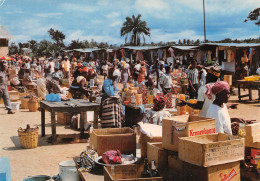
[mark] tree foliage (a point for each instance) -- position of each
(134, 29)
(58, 37)
(254, 16)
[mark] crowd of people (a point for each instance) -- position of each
(48, 72)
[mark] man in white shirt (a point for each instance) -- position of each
(218, 108)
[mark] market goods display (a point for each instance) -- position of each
(86, 161)
(112, 157)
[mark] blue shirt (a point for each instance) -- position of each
(109, 88)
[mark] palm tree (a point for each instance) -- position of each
(133, 28)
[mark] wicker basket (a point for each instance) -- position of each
(28, 139)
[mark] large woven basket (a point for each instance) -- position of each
(28, 139)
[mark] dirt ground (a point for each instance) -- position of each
(44, 159)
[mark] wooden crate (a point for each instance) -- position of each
(175, 167)
(252, 138)
(127, 173)
(210, 150)
(158, 154)
(63, 118)
(144, 139)
(223, 172)
(123, 139)
(184, 126)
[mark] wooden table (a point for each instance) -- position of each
(73, 106)
(249, 85)
(86, 176)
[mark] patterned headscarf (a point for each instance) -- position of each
(216, 88)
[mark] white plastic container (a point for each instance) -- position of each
(15, 105)
(68, 171)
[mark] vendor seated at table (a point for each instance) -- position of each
(111, 106)
(78, 87)
(27, 79)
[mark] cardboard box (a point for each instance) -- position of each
(223, 172)
(63, 118)
(158, 154)
(144, 139)
(123, 139)
(127, 173)
(210, 150)
(175, 167)
(184, 126)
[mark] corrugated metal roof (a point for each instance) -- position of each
(87, 50)
(233, 44)
(4, 33)
(142, 47)
(185, 47)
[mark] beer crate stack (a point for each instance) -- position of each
(192, 150)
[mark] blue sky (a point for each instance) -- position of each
(101, 20)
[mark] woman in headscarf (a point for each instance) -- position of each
(78, 87)
(125, 72)
(142, 74)
(110, 108)
(218, 108)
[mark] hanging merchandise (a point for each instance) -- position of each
(164, 54)
(217, 61)
(229, 51)
(115, 57)
(122, 53)
(160, 53)
(209, 55)
(232, 56)
(171, 52)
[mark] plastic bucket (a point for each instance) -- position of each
(68, 171)
(38, 178)
(15, 105)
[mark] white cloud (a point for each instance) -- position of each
(21, 38)
(112, 15)
(158, 35)
(152, 4)
(220, 6)
(47, 15)
(155, 8)
(116, 23)
(102, 2)
(78, 7)
(79, 34)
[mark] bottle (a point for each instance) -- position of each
(154, 171)
(146, 172)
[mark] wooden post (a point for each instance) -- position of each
(239, 92)
(250, 93)
(95, 125)
(82, 124)
(43, 121)
(53, 127)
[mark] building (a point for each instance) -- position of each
(5, 36)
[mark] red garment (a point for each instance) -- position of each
(112, 157)
(216, 88)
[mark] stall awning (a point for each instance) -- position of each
(87, 50)
(185, 47)
(142, 47)
(233, 44)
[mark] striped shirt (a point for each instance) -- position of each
(193, 75)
